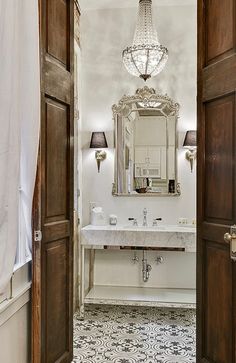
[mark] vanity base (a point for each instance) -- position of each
(142, 296)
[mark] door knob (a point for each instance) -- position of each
(231, 238)
(228, 237)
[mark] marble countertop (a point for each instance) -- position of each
(165, 236)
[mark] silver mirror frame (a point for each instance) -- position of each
(147, 96)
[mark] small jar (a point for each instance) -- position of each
(113, 220)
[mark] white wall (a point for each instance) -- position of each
(118, 269)
(104, 81)
(105, 33)
(15, 337)
(15, 319)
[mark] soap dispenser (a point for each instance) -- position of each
(98, 217)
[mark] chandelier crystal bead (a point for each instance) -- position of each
(146, 57)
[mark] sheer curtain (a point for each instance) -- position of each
(19, 129)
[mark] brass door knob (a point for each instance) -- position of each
(228, 237)
(231, 239)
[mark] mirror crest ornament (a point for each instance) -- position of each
(146, 145)
(149, 98)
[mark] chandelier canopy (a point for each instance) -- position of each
(146, 57)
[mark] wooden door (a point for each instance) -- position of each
(53, 204)
(216, 282)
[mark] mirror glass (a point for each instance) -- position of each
(146, 145)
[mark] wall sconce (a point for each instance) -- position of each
(190, 142)
(98, 141)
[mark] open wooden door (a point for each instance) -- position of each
(216, 315)
(52, 298)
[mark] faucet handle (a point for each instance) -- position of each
(135, 223)
(155, 221)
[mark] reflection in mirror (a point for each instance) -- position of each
(146, 147)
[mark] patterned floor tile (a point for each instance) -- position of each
(125, 334)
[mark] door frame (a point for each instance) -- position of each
(36, 215)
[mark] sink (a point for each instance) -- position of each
(166, 227)
(173, 236)
(144, 228)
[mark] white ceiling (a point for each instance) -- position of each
(115, 4)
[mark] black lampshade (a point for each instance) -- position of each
(98, 140)
(190, 139)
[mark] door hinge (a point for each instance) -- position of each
(38, 236)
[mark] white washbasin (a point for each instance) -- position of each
(161, 228)
(175, 236)
(143, 228)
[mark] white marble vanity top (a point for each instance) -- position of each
(172, 236)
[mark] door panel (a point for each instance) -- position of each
(220, 26)
(58, 22)
(218, 327)
(216, 278)
(53, 205)
(57, 342)
(57, 134)
(219, 157)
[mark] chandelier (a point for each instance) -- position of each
(146, 57)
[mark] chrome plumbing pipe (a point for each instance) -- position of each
(146, 267)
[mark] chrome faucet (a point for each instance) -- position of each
(145, 217)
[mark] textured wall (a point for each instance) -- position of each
(105, 81)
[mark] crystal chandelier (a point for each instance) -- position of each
(146, 57)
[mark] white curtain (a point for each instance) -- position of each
(19, 128)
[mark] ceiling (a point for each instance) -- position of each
(115, 4)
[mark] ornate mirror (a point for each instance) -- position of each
(146, 145)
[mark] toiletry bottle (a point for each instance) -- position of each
(171, 187)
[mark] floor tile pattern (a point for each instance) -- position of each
(125, 334)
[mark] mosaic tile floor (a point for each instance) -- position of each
(125, 334)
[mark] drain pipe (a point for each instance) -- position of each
(146, 267)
